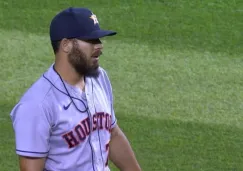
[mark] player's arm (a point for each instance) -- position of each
(121, 153)
(32, 132)
(31, 163)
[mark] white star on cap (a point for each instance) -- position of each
(94, 18)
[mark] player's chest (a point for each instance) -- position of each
(82, 113)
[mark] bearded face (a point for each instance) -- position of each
(85, 61)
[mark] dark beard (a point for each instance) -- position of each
(80, 63)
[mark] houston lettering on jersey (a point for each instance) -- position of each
(101, 121)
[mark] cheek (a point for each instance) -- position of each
(90, 51)
(87, 49)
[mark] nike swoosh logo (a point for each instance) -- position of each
(66, 107)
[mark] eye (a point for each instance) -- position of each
(94, 41)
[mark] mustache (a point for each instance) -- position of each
(97, 53)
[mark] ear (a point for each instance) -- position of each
(66, 45)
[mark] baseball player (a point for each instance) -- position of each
(65, 121)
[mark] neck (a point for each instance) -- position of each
(69, 74)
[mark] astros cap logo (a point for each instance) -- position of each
(94, 18)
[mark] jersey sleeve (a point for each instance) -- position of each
(113, 118)
(110, 93)
(32, 130)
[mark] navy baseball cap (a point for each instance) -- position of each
(79, 23)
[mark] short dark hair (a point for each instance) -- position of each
(55, 46)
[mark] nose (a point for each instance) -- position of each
(98, 45)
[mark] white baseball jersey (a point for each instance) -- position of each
(47, 123)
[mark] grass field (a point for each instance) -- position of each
(175, 67)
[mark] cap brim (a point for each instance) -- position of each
(98, 34)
